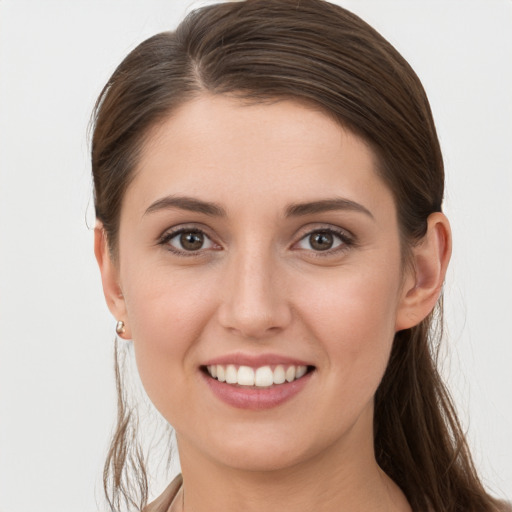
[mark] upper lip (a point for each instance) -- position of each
(256, 360)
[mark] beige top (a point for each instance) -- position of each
(164, 501)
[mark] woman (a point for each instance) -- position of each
(268, 188)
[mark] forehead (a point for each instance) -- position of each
(279, 152)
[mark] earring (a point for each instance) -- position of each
(120, 327)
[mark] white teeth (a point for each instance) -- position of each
(259, 377)
(231, 374)
(301, 371)
(264, 377)
(245, 376)
(279, 375)
(290, 373)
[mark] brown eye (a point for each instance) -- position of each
(321, 241)
(192, 240)
(188, 241)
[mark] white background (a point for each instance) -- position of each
(56, 381)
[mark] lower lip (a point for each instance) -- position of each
(245, 397)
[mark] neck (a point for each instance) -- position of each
(344, 477)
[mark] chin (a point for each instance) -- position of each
(263, 458)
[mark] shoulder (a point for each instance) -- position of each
(163, 502)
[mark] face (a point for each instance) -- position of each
(257, 244)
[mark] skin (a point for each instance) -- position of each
(259, 286)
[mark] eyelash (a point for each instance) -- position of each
(169, 235)
(347, 241)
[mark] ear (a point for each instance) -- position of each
(424, 281)
(110, 278)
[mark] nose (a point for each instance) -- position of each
(254, 302)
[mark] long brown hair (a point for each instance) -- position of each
(313, 51)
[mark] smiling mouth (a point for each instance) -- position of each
(261, 377)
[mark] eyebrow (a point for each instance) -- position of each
(326, 205)
(293, 210)
(186, 203)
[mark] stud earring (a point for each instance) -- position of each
(120, 327)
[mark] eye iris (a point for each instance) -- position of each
(191, 241)
(321, 241)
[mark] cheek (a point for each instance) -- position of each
(349, 319)
(353, 315)
(167, 313)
